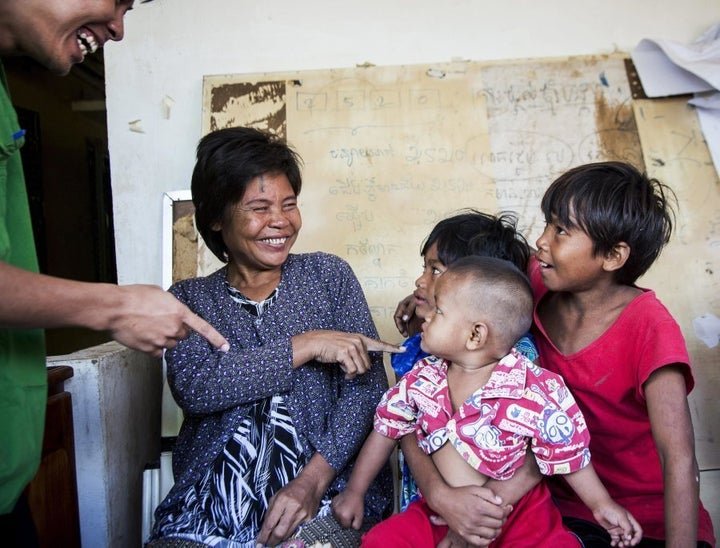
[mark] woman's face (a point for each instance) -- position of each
(261, 228)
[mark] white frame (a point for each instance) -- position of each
(169, 199)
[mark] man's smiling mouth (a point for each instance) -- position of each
(87, 42)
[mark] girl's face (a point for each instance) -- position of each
(425, 285)
(567, 258)
(261, 228)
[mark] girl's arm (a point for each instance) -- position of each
(475, 513)
(671, 423)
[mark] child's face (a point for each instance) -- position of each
(447, 327)
(425, 285)
(567, 258)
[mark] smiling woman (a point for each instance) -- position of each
(272, 426)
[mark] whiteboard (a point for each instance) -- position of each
(390, 151)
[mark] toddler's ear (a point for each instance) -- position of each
(478, 336)
(616, 257)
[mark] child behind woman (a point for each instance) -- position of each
(476, 405)
(469, 232)
(619, 350)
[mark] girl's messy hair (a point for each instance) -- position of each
(613, 202)
(472, 232)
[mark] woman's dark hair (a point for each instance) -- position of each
(227, 161)
(473, 232)
(613, 202)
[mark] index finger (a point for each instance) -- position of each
(200, 326)
(376, 345)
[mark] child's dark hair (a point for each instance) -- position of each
(227, 161)
(613, 202)
(473, 232)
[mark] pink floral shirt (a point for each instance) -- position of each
(521, 404)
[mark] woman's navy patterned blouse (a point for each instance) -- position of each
(331, 414)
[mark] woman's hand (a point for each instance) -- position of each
(293, 505)
(297, 502)
(350, 350)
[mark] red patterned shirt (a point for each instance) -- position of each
(520, 404)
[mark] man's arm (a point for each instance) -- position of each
(143, 317)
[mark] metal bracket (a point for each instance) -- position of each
(634, 80)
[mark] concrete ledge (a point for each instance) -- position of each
(116, 394)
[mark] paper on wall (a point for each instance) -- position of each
(668, 68)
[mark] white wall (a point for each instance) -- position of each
(170, 44)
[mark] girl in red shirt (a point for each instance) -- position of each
(619, 350)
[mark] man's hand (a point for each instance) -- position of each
(150, 319)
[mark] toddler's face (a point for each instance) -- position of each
(447, 326)
(425, 285)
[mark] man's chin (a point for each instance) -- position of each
(60, 67)
(63, 62)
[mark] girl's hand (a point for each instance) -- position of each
(474, 514)
(404, 314)
(453, 540)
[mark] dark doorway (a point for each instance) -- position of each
(66, 164)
